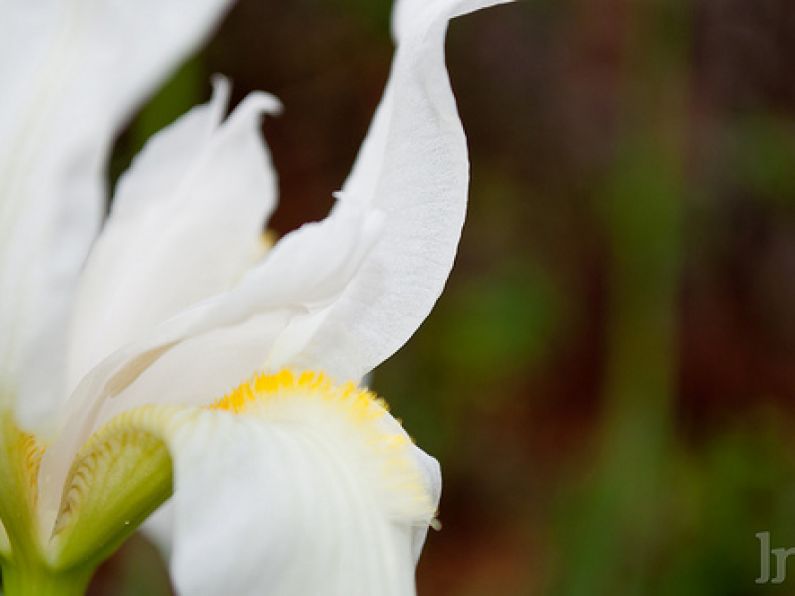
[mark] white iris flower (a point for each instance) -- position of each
(118, 347)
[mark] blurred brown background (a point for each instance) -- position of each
(608, 380)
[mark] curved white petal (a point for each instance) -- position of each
(413, 166)
(71, 72)
(303, 493)
(187, 222)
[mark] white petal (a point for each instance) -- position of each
(413, 166)
(168, 156)
(187, 222)
(71, 73)
(199, 369)
(293, 498)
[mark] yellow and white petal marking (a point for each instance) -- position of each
(294, 485)
(286, 473)
(351, 415)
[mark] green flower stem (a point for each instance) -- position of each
(35, 580)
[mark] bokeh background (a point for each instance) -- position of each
(609, 378)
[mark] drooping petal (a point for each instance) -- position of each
(71, 73)
(316, 481)
(187, 222)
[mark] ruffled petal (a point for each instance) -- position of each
(71, 72)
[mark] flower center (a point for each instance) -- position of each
(124, 470)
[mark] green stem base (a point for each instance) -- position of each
(27, 581)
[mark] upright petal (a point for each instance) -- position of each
(187, 223)
(340, 295)
(71, 72)
(362, 281)
(412, 166)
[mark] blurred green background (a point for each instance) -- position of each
(609, 379)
